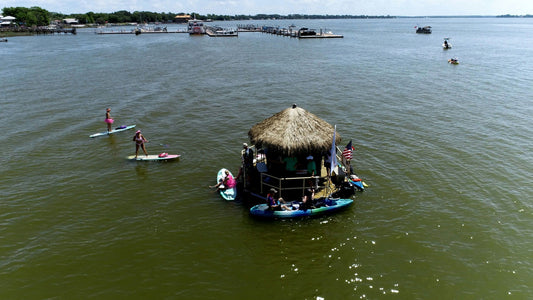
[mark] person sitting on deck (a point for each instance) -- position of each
(275, 204)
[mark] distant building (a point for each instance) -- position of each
(182, 18)
(7, 20)
(70, 21)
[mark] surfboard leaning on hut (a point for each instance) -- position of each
(286, 146)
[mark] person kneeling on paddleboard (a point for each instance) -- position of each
(139, 140)
(228, 182)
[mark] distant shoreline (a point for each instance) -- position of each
(11, 32)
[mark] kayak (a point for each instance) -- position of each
(322, 206)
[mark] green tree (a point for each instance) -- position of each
(34, 16)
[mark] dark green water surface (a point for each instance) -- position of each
(446, 150)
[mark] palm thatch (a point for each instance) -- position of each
(293, 131)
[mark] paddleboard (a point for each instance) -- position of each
(154, 157)
(227, 194)
(119, 129)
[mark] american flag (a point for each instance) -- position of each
(347, 152)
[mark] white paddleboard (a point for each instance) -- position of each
(119, 129)
(154, 157)
(227, 194)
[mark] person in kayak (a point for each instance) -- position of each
(275, 204)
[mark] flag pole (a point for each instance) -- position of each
(333, 163)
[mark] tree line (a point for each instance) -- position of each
(36, 16)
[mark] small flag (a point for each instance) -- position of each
(347, 152)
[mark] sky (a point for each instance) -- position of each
(286, 7)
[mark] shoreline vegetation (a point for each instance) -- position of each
(30, 21)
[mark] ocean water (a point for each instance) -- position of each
(446, 150)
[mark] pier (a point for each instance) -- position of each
(36, 30)
(217, 31)
(291, 31)
(138, 31)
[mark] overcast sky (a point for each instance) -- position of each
(285, 7)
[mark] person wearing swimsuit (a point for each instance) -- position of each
(228, 182)
(108, 119)
(139, 140)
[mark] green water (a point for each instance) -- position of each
(446, 150)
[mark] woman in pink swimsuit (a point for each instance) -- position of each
(227, 183)
(108, 119)
(139, 140)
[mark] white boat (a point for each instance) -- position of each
(446, 45)
(196, 27)
(216, 31)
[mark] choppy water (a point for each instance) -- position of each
(446, 150)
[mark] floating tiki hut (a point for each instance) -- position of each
(285, 144)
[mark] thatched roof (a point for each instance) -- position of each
(293, 131)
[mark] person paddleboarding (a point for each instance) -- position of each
(109, 121)
(139, 140)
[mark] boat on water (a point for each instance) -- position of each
(425, 29)
(304, 31)
(453, 61)
(446, 44)
(3, 40)
(293, 152)
(217, 31)
(195, 27)
(321, 206)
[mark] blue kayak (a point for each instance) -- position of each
(322, 206)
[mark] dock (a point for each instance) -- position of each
(36, 30)
(217, 31)
(291, 31)
(138, 31)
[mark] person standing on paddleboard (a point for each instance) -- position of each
(108, 119)
(139, 140)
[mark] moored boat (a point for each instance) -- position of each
(425, 29)
(196, 27)
(217, 31)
